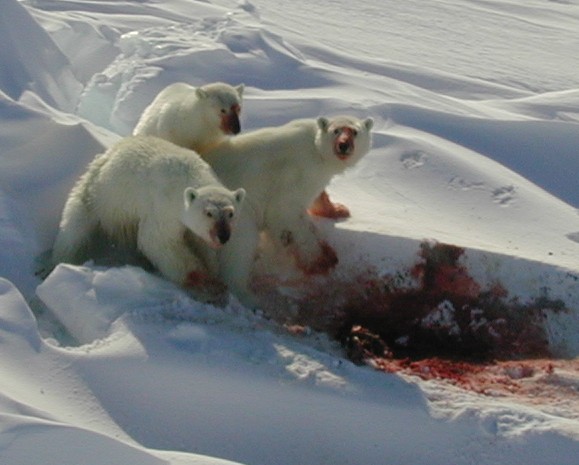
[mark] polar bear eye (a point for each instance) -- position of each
(230, 215)
(354, 132)
(223, 111)
(337, 131)
(209, 214)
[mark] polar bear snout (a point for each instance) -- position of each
(230, 120)
(344, 148)
(221, 227)
(221, 232)
(344, 142)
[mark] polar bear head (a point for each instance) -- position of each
(222, 104)
(343, 140)
(210, 212)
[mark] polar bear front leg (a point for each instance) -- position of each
(298, 236)
(165, 246)
(237, 259)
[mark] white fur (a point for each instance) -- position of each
(282, 169)
(190, 116)
(150, 191)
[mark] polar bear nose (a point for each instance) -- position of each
(344, 143)
(230, 121)
(224, 236)
(223, 231)
(343, 147)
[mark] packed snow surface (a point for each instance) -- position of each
(469, 199)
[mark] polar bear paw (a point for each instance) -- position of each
(206, 287)
(325, 262)
(324, 207)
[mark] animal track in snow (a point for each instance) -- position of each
(459, 183)
(414, 159)
(504, 196)
(573, 237)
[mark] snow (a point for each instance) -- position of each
(475, 155)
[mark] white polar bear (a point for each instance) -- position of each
(162, 197)
(283, 169)
(196, 118)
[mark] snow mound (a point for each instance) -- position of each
(40, 66)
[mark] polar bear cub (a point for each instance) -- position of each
(283, 169)
(162, 197)
(193, 117)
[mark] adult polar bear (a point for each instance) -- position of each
(161, 196)
(283, 169)
(196, 118)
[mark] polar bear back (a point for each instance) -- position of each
(193, 117)
(171, 116)
(272, 160)
(297, 135)
(144, 176)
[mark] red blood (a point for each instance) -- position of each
(433, 314)
(552, 384)
(438, 310)
(325, 208)
(491, 345)
(325, 262)
(202, 281)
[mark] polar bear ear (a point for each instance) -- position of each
(201, 93)
(240, 88)
(189, 196)
(323, 123)
(368, 123)
(239, 195)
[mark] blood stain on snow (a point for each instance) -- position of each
(435, 322)
(446, 313)
(551, 384)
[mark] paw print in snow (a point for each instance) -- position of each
(504, 196)
(414, 159)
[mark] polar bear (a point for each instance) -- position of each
(283, 169)
(196, 118)
(164, 199)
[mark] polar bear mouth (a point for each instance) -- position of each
(230, 121)
(220, 234)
